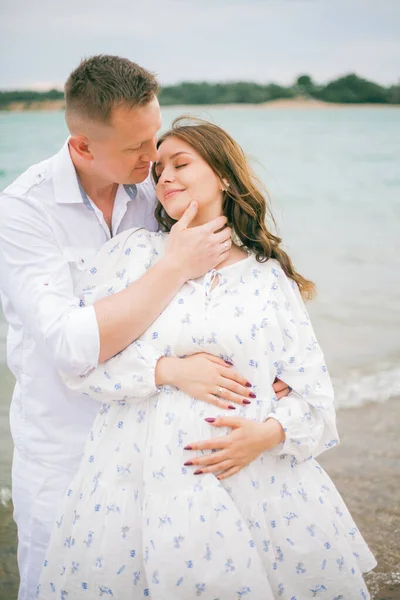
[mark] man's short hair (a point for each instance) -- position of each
(103, 82)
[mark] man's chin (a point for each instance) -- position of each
(138, 176)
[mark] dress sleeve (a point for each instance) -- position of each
(127, 377)
(307, 415)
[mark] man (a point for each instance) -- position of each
(54, 217)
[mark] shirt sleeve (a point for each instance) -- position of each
(36, 279)
(307, 414)
(127, 377)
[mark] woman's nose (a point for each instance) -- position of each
(166, 176)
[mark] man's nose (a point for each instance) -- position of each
(151, 154)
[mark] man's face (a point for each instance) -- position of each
(123, 150)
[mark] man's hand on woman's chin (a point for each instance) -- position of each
(193, 251)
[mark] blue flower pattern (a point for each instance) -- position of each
(136, 524)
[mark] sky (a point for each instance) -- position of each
(41, 42)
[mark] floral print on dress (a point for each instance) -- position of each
(136, 523)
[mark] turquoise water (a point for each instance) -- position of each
(334, 179)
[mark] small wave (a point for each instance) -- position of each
(5, 496)
(358, 387)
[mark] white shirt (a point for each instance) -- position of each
(48, 231)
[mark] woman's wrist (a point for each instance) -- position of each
(166, 370)
(274, 433)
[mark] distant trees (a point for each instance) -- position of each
(241, 92)
(28, 96)
(349, 89)
(353, 89)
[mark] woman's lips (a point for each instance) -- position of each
(171, 193)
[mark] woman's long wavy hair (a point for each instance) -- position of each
(244, 203)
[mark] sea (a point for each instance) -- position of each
(333, 181)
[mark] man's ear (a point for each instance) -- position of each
(80, 144)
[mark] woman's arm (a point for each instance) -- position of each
(307, 415)
(140, 370)
(303, 424)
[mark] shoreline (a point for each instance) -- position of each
(365, 467)
(281, 104)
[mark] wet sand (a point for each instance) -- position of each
(366, 470)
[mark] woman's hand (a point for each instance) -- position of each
(205, 377)
(247, 440)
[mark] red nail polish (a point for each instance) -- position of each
(188, 463)
(252, 395)
(198, 472)
(248, 384)
(210, 420)
(187, 447)
(246, 402)
(232, 407)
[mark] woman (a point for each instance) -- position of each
(148, 515)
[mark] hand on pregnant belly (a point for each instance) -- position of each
(247, 440)
(205, 377)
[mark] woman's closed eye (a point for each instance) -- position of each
(182, 165)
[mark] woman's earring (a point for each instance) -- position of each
(226, 185)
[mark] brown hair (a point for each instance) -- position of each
(102, 82)
(244, 202)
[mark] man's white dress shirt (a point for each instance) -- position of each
(49, 229)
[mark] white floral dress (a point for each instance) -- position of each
(136, 523)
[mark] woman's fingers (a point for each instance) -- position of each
(229, 373)
(222, 466)
(228, 473)
(220, 402)
(209, 459)
(212, 444)
(217, 360)
(226, 394)
(233, 386)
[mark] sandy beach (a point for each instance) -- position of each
(366, 470)
(299, 102)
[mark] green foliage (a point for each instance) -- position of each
(305, 85)
(353, 89)
(239, 92)
(349, 89)
(28, 96)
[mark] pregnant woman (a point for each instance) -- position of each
(149, 514)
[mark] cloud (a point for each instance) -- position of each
(262, 40)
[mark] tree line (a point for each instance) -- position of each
(349, 89)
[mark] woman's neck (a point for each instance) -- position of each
(236, 254)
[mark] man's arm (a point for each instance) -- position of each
(36, 279)
(190, 253)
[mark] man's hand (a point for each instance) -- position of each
(196, 250)
(247, 440)
(281, 388)
(205, 377)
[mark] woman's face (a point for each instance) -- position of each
(183, 176)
